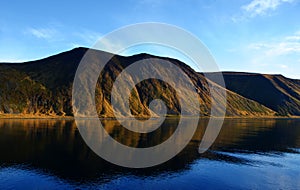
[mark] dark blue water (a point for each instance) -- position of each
(248, 154)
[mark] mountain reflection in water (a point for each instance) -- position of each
(248, 153)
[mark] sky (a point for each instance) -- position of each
(243, 35)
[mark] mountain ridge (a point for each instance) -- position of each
(45, 87)
(275, 91)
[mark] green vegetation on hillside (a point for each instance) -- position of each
(45, 87)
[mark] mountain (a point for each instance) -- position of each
(44, 87)
(276, 92)
(39, 87)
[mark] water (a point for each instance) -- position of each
(248, 154)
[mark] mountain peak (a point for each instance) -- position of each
(45, 86)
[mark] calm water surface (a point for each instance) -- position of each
(248, 154)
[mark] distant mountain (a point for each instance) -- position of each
(45, 87)
(276, 92)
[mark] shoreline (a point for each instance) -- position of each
(32, 116)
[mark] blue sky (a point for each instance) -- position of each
(243, 35)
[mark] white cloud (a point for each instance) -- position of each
(287, 45)
(258, 46)
(43, 33)
(295, 37)
(259, 8)
(89, 37)
(276, 56)
(283, 66)
(107, 45)
(284, 48)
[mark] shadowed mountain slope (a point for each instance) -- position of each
(45, 87)
(276, 92)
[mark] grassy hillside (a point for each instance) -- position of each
(45, 87)
(276, 92)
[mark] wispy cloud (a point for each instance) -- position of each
(262, 7)
(43, 33)
(287, 45)
(88, 37)
(91, 39)
(259, 8)
(276, 55)
(110, 46)
(283, 66)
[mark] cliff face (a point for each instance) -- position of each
(45, 87)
